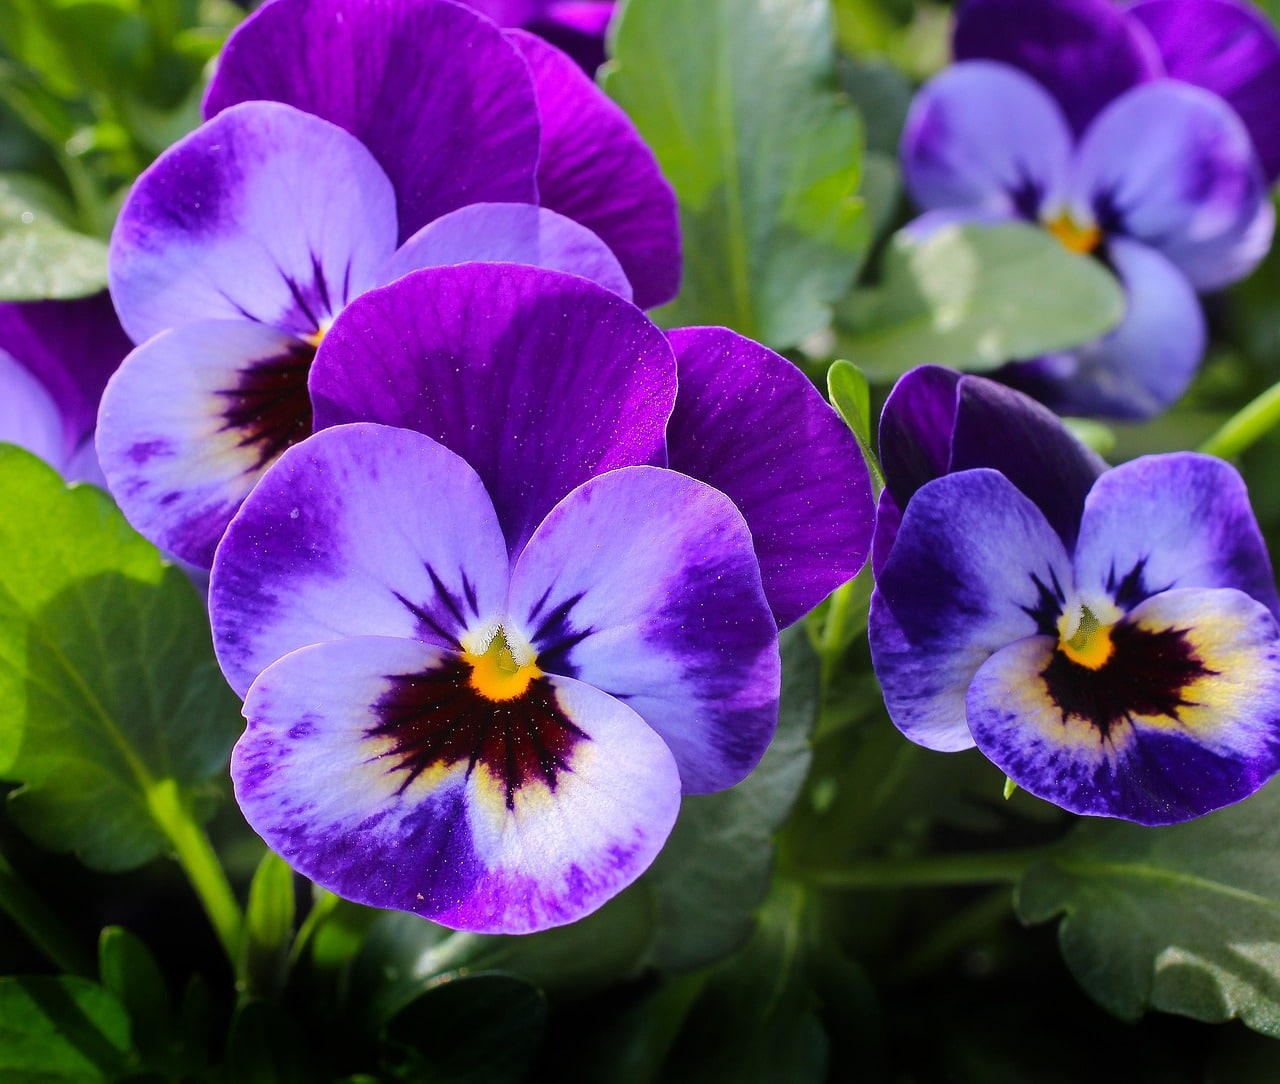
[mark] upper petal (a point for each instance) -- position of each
(1172, 165)
(1085, 52)
(596, 169)
(236, 221)
(436, 93)
(29, 417)
(751, 424)
(361, 530)
(1227, 47)
(538, 379)
(643, 583)
(987, 137)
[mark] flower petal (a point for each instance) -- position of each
(538, 379)
(1183, 719)
(643, 583)
(1142, 366)
(360, 530)
(975, 567)
(751, 424)
(578, 28)
(510, 233)
(1229, 48)
(985, 137)
(596, 169)
(1085, 52)
(1166, 521)
(1172, 165)
(437, 94)
(347, 771)
(29, 417)
(236, 222)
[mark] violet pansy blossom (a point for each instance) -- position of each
(1158, 177)
(577, 27)
(1108, 639)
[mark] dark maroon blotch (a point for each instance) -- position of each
(271, 408)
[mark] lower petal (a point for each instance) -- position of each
(29, 417)
(367, 791)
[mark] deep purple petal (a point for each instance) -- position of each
(510, 233)
(433, 90)
(1172, 165)
(237, 222)
(1183, 718)
(1229, 48)
(537, 379)
(29, 417)
(359, 531)
(578, 28)
(916, 426)
(643, 582)
(985, 137)
(338, 773)
(596, 169)
(72, 348)
(751, 424)
(1142, 366)
(974, 568)
(1085, 52)
(1166, 521)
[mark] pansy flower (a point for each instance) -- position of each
(577, 27)
(55, 358)
(1157, 177)
(1110, 643)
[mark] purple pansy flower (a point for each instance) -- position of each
(1157, 177)
(577, 27)
(55, 358)
(1108, 639)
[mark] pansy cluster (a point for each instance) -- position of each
(1144, 135)
(497, 565)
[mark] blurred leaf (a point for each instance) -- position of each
(715, 869)
(974, 297)
(741, 110)
(61, 1031)
(1183, 919)
(111, 704)
(268, 925)
(130, 972)
(40, 257)
(266, 1046)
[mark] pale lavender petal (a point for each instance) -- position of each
(29, 417)
(985, 137)
(436, 93)
(536, 378)
(975, 567)
(596, 169)
(1229, 48)
(1182, 719)
(237, 222)
(1140, 368)
(360, 530)
(748, 422)
(1085, 52)
(643, 583)
(924, 226)
(349, 770)
(510, 233)
(1169, 521)
(1171, 165)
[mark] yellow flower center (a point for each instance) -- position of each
(1086, 641)
(1072, 235)
(496, 673)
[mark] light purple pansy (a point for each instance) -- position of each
(494, 739)
(1162, 184)
(456, 111)
(55, 359)
(576, 27)
(1109, 641)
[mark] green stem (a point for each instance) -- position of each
(200, 862)
(322, 906)
(34, 919)
(992, 867)
(1248, 425)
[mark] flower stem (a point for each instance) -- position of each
(989, 867)
(1248, 425)
(34, 919)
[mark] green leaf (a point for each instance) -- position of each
(131, 973)
(850, 394)
(266, 1046)
(741, 110)
(1183, 919)
(268, 925)
(974, 297)
(40, 257)
(62, 1031)
(715, 869)
(111, 704)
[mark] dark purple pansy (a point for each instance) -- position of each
(1123, 661)
(577, 27)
